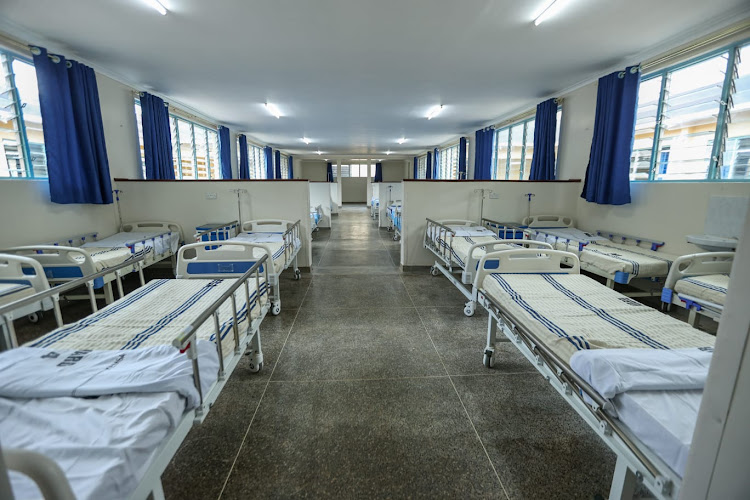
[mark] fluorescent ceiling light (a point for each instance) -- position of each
(434, 111)
(306, 140)
(319, 152)
(552, 9)
(157, 6)
(388, 152)
(273, 110)
(402, 140)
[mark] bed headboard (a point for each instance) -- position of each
(129, 227)
(457, 222)
(527, 261)
(197, 260)
(267, 225)
(547, 221)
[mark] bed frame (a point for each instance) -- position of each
(445, 264)
(64, 260)
(316, 214)
(150, 485)
(697, 264)
(232, 258)
(394, 219)
(636, 464)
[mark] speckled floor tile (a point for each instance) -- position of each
(356, 291)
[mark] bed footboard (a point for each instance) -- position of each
(547, 221)
(229, 260)
(496, 247)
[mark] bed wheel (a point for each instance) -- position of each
(489, 359)
(434, 271)
(297, 274)
(395, 237)
(275, 309)
(256, 367)
(469, 309)
(34, 317)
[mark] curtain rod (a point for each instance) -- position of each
(521, 116)
(13, 44)
(184, 114)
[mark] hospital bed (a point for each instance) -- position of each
(21, 277)
(634, 375)
(315, 215)
(619, 258)
(183, 337)
(374, 207)
(277, 239)
(83, 255)
(699, 282)
(458, 245)
(394, 219)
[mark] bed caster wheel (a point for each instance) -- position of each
(395, 238)
(255, 367)
(297, 274)
(275, 309)
(434, 271)
(469, 309)
(34, 317)
(489, 359)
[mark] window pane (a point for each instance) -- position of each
(139, 126)
(186, 149)
(516, 148)
(201, 153)
(529, 150)
(645, 125)
(691, 105)
(12, 164)
(501, 154)
(736, 158)
(28, 93)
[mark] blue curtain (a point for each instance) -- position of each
(77, 164)
(269, 161)
(291, 167)
(378, 172)
(484, 140)
(428, 170)
(545, 125)
(244, 160)
(157, 138)
(462, 158)
(607, 176)
(225, 153)
(436, 164)
(416, 167)
(277, 156)
(329, 171)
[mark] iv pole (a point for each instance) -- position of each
(528, 210)
(239, 205)
(484, 192)
(117, 202)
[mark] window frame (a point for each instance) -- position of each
(448, 171)
(7, 56)
(718, 146)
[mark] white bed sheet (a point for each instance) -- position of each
(161, 242)
(711, 287)
(571, 312)
(461, 244)
(155, 314)
(104, 258)
(273, 241)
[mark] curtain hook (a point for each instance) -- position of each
(35, 50)
(68, 64)
(55, 59)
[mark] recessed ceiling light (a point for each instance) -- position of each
(549, 11)
(273, 109)
(434, 111)
(319, 152)
(306, 140)
(157, 6)
(402, 140)
(388, 152)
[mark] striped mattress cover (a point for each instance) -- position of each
(637, 261)
(155, 314)
(104, 258)
(273, 241)
(571, 312)
(466, 236)
(711, 288)
(11, 292)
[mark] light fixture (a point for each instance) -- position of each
(388, 152)
(306, 140)
(273, 110)
(319, 152)
(157, 6)
(550, 10)
(434, 111)
(402, 140)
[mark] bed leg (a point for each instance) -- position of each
(256, 353)
(610, 283)
(624, 482)
(92, 296)
(58, 313)
(275, 300)
(692, 316)
(109, 295)
(140, 274)
(488, 359)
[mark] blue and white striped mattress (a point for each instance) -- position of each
(461, 244)
(273, 241)
(571, 312)
(637, 261)
(105, 257)
(711, 288)
(155, 314)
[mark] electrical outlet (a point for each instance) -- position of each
(211, 196)
(494, 196)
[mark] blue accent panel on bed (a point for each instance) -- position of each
(621, 277)
(220, 267)
(62, 272)
(666, 295)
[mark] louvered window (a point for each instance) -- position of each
(448, 168)
(693, 120)
(514, 149)
(422, 167)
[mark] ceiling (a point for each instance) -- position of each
(356, 75)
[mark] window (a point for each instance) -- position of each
(693, 120)
(195, 148)
(514, 149)
(256, 160)
(20, 119)
(422, 167)
(284, 166)
(357, 170)
(448, 168)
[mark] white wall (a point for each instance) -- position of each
(354, 190)
(185, 202)
(120, 129)
(29, 217)
(393, 170)
(320, 194)
(457, 200)
(312, 170)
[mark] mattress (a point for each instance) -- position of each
(711, 288)
(155, 314)
(11, 292)
(470, 235)
(273, 241)
(571, 312)
(163, 243)
(105, 258)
